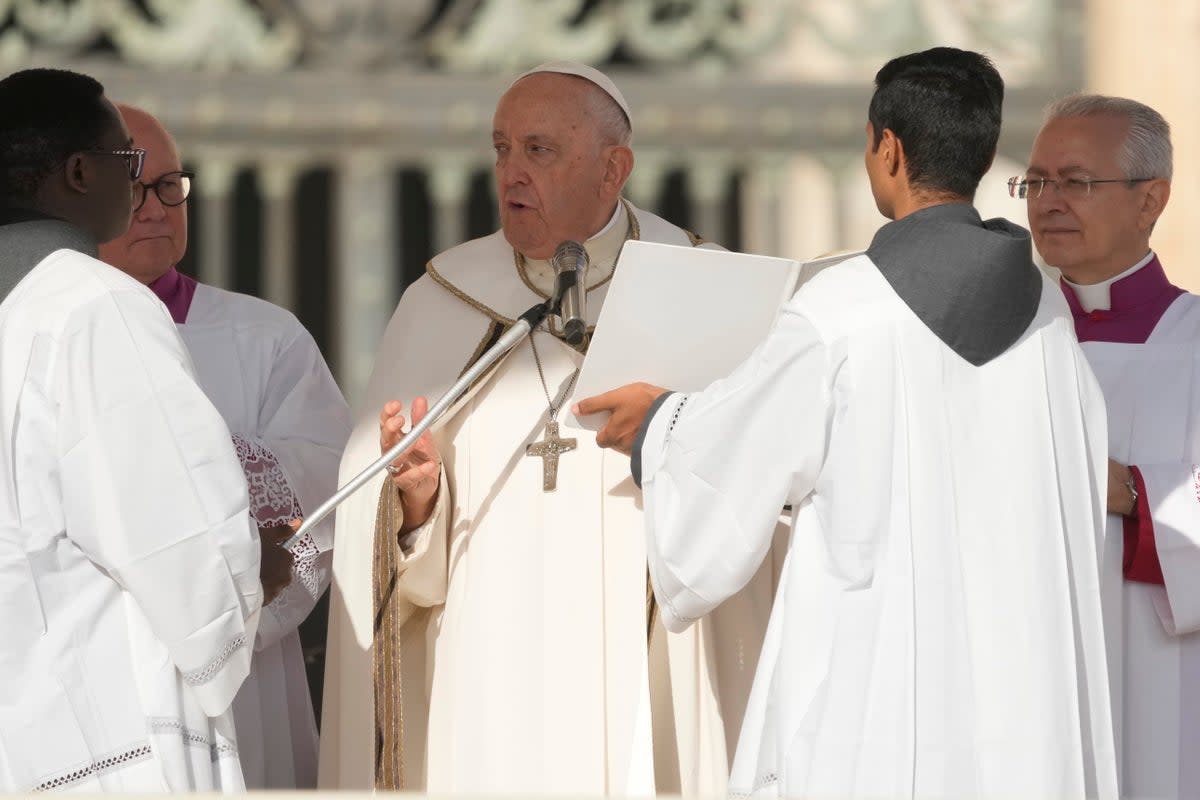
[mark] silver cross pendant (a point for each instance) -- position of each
(549, 449)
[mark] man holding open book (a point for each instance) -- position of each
(927, 412)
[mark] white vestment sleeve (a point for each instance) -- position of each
(289, 608)
(152, 490)
(302, 430)
(305, 423)
(718, 465)
(1173, 493)
(424, 577)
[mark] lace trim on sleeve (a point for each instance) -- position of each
(217, 746)
(306, 587)
(305, 569)
(206, 673)
(107, 763)
(272, 501)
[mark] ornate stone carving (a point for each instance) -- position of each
(189, 34)
(362, 33)
(837, 38)
(813, 39)
(457, 35)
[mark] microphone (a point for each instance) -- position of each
(570, 264)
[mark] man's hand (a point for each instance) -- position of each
(1120, 499)
(416, 474)
(628, 405)
(275, 569)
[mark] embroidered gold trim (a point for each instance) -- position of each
(387, 666)
(635, 232)
(466, 298)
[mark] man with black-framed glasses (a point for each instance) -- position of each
(172, 189)
(1099, 176)
(264, 373)
(129, 563)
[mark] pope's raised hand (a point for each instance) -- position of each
(417, 472)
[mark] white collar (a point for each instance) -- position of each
(611, 221)
(603, 246)
(1098, 296)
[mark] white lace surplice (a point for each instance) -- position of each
(273, 503)
(266, 376)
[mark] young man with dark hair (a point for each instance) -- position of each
(950, 145)
(128, 560)
(926, 412)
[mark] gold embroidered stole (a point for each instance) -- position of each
(387, 664)
(387, 658)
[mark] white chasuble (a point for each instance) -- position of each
(525, 662)
(264, 373)
(937, 631)
(1152, 391)
(129, 562)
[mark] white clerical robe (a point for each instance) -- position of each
(264, 373)
(525, 658)
(1152, 391)
(129, 563)
(938, 628)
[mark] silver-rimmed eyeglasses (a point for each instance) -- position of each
(1071, 188)
(172, 189)
(135, 158)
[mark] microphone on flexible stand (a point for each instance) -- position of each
(570, 264)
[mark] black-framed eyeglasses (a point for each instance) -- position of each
(172, 189)
(135, 158)
(1072, 188)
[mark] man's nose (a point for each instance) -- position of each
(511, 171)
(152, 208)
(1050, 200)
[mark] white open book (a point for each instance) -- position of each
(681, 317)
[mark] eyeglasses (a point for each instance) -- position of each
(1072, 188)
(135, 158)
(172, 189)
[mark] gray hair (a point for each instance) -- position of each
(611, 122)
(1146, 152)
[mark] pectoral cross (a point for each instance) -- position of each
(549, 449)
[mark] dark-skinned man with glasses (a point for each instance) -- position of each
(129, 563)
(264, 373)
(1099, 176)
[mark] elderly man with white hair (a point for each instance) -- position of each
(1099, 177)
(491, 628)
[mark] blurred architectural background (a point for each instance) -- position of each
(340, 143)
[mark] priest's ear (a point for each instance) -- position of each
(78, 173)
(1154, 200)
(891, 151)
(618, 164)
